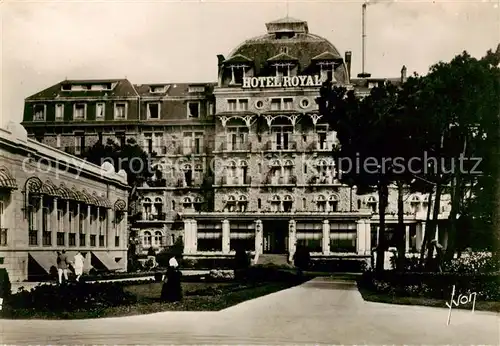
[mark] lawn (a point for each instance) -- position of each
(198, 296)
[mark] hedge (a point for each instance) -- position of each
(433, 285)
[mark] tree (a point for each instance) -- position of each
(130, 157)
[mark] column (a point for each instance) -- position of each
(368, 237)
(77, 229)
(292, 239)
(55, 225)
(110, 230)
(259, 237)
(98, 225)
(326, 237)
(40, 221)
(88, 231)
(187, 236)
(67, 226)
(194, 236)
(123, 231)
(407, 238)
(420, 235)
(360, 237)
(225, 237)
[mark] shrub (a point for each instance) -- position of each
(219, 275)
(302, 257)
(432, 285)
(74, 297)
(5, 286)
(473, 262)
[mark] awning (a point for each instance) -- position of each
(50, 189)
(106, 260)
(67, 193)
(102, 202)
(89, 198)
(7, 181)
(45, 259)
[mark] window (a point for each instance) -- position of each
(60, 238)
(231, 105)
(283, 70)
(72, 239)
(157, 89)
(287, 103)
(211, 108)
(117, 241)
(79, 111)
(284, 50)
(304, 103)
(304, 204)
(153, 111)
(39, 112)
(259, 203)
(59, 111)
(193, 110)
(237, 73)
(146, 239)
(92, 240)
(58, 141)
(99, 111)
(79, 143)
(243, 105)
(101, 240)
(237, 138)
(148, 143)
(196, 89)
(327, 71)
(158, 239)
(275, 104)
(120, 110)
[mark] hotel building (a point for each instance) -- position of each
(243, 162)
(50, 201)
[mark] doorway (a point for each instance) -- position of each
(275, 236)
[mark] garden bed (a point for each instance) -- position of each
(113, 299)
(431, 289)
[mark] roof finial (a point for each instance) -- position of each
(287, 8)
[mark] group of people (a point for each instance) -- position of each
(64, 263)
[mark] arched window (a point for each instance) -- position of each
(321, 203)
(288, 163)
(158, 206)
(259, 203)
(304, 204)
(173, 205)
(415, 204)
(158, 239)
(146, 239)
(147, 207)
(333, 202)
(372, 203)
(287, 203)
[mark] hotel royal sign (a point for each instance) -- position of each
(282, 82)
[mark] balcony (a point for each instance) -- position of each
(150, 217)
(283, 180)
(323, 180)
(185, 184)
(156, 183)
(281, 146)
(235, 181)
(232, 147)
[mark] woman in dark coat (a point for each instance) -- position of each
(172, 289)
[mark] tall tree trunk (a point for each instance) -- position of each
(426, 240)
(496, 202)
(401, 229)
(381, 248)
(452, 219)
(434, 223)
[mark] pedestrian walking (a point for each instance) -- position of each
(78, 265)
(62, 266)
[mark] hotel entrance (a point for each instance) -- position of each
(275, 236)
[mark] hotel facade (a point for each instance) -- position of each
(50, 201)
(244, 162)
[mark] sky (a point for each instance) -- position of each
(44, 42)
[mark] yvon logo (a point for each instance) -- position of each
(461, 300)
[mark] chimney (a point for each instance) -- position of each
(348, 56)
(220, 59)
(403, 74)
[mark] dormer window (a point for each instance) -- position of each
(284, 50)
(193, 109)
(79, 111)
(120, 110)
(157, 88)
(153, 111)
(39, 111)
(196, 89)
(237, 73)
(327, 71)
(283, 70)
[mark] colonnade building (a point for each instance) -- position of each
(50, 201)
(244, 162)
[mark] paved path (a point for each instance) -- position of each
(322, 311)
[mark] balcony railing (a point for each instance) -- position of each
(157, 182)
(235, 181)
(237, 146)
(274, 146)
(287, 180)
(151, 216)
(326, 180)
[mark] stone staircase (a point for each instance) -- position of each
(278, 260)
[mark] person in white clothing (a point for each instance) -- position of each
(78, 265)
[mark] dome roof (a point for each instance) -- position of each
(290, 38)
